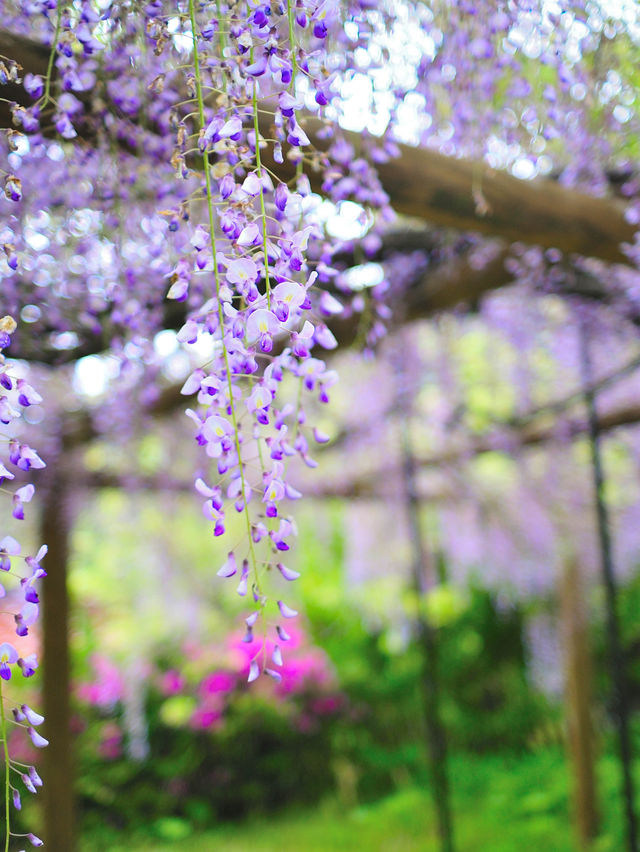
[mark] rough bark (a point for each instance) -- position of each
(577, 667)
(59, 817)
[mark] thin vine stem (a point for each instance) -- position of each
(52, 56)
(294, 61)
(263, 212)
(7, 768)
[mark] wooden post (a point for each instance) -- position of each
(59, 822)
(577, 667)
(427, 639)
(620, 689)
(423, 567)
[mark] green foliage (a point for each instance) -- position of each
(628, 608)
(502, 803)
(261, 758)
(486, 699)
(256, 762)
(509, 784)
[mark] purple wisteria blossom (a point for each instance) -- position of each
(17, 395)
(8, 656)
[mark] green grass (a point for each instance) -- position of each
(501, 804)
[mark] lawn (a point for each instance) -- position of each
(501, 803)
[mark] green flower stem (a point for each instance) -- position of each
(292, 42)
(263, 212)
(52, 55)
(7, 768)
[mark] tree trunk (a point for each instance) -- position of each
(620, 689)
(427, 639)
(59, 830)
(578, 703)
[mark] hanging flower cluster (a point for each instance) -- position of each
(22, 596)
(198, 108)
(217, 103)
(248, 260)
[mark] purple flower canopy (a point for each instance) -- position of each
(147, 169)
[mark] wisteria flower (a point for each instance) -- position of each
(24, 457)
(278, 536)
(259, 402)
(32, 717)
(8, 656)
(22, 495)
(287, 573)
(301, 341)
(8, 547)
(217, 432)
(27, 616)
(229, 568)
(34, 85)
(325, 337)
(262, 325)
(28, 665)
(5, 474)
(250, 235)
(13, 188)
(288, 296)
(286, 611)
(242, 271)
(37, 739)
(244, 576)
(34, 561)
(27, 395)
(8, 412)
(252, 184)
(296, 135)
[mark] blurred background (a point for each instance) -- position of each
(490, 657)
(464, 673)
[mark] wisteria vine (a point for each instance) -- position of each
(262, 297)
(224, 83)
(22, 600)
(180, 140)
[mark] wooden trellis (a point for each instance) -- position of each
(441, 191)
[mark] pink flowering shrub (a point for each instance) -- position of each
(216, 746)
(200, 697)
(171, 682)
(106, 688)
(110, 746)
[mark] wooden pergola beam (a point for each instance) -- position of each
(444, 191)
(381, 482)
(441, 190)
(533, 434)
(468, 195)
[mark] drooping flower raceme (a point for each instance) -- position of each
(247, 274)
(20, 576)
(215, 105)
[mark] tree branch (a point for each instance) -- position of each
(439, 189)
